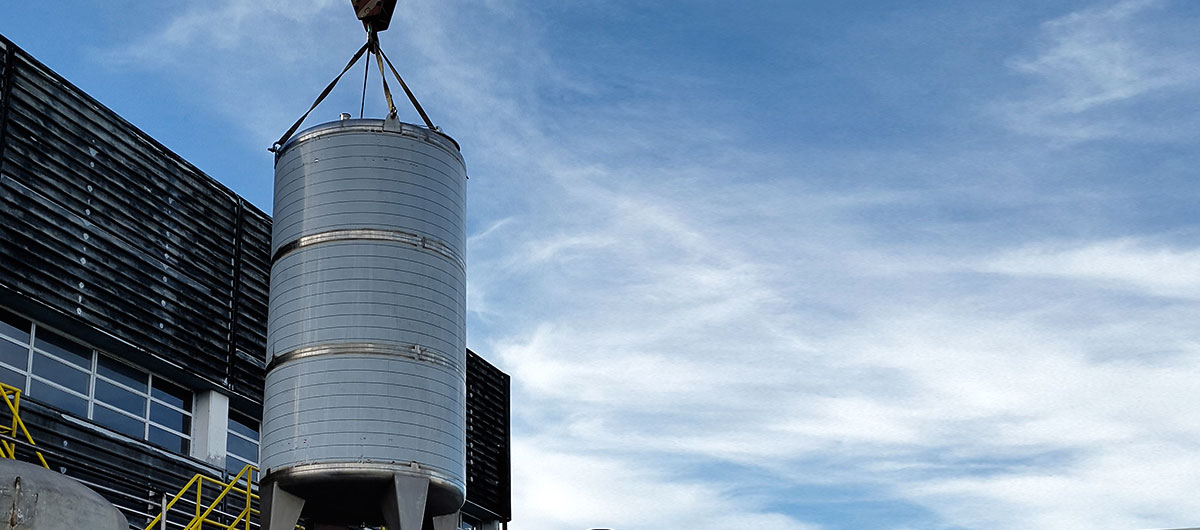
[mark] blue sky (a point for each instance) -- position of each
(802, 265)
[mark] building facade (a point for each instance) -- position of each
(133, 303)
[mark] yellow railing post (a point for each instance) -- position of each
(12, 398)
(202, 514)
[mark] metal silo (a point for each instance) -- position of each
(364, 405)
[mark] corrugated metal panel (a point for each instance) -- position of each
(6, 54)
(252, 275)
(489, 471)
(104, 223)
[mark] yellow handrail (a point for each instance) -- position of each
(202, 517)
(12, 398)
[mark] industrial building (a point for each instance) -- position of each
(133, 309)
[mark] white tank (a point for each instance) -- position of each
(35, 498)
(364, 404)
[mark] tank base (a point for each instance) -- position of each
(280, 510)
(401, 502)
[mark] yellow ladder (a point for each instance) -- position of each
(242, 486)
(12, 398)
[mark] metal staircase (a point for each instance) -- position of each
(230, 509)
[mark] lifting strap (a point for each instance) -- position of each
(411, 97)
(371, 47)
(279, 143)
(373, 40)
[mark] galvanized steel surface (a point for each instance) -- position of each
(366, 330)
(36, 498)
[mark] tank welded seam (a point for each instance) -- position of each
(442, 437)
(431, 419)
(319, 390)
(357, 142)
(386, 393)
(328, 302)
(410, 351)
(297, 270)
(361, 403)
(449, 184)
(371, 234)
(417, 197)
(416, 157)
(355, 426)
(328, 307)
(385, 179)
(403, 380)
(394, 170)
(417, 134)
(378, 205)
(330, 311)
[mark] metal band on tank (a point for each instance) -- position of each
(412, 351)
(371, 234)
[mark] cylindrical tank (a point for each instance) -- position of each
(366, 378)
(35, 498)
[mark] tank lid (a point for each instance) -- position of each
(437, 138)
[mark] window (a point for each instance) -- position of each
(14, 349)
(67, 375)
(242, 443)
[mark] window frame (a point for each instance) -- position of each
(91, 401)
(231, 432)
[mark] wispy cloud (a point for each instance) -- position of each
(696, 321)
(1092, 67)
(1127, 264)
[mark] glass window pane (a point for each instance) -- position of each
(119, 422)
(14, 326)
(15, 355)
(122, 373)
(243, 425)
(63, 374)
(173, 394)
(12, 378)
(233, 466)
(242, 448)
(69, 350)
(54, 397)
(168, 440)
(168, 417)
(120, 398)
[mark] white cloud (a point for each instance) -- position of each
(669, 297)
(1097, 68)
(569, 490)
(1121, 264)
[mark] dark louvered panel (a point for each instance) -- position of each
(103, 223)
(7, 52)
(252, 277)
(488, 468)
